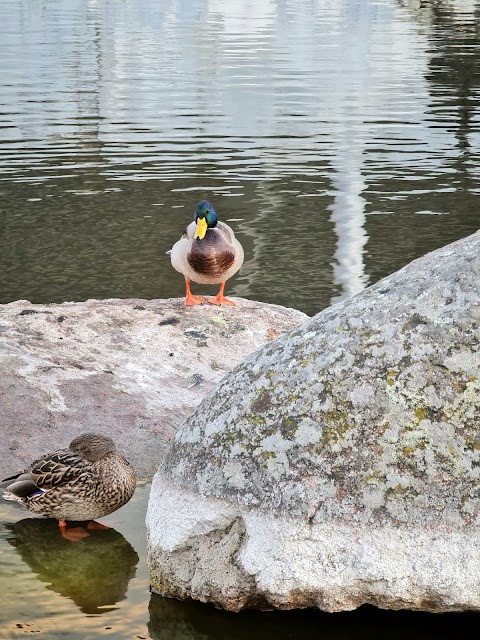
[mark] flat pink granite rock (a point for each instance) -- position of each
(131, 369)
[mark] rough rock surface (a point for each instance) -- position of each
(132, 369)
(340, 464)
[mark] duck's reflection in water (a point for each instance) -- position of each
(94, 573)
(175, 620)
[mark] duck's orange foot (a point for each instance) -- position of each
(74, 535)
(93, 524)
(191, 300)
(218, 299)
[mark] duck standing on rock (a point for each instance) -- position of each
(88, 480)
(207, 253)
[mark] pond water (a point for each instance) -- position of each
(341, 140)
(99, 588)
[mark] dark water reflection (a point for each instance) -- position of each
(94, 575)
(342, 138)
(173, 620)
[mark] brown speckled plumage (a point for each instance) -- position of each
(88, 480)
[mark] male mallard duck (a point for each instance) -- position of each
(207, 253)
(88, 480)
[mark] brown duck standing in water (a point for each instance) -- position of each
(207, 253)
(88, 480)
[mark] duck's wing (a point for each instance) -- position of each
(226, 231)
(179, 251)
(57, 468)
(189, 232)
(236, 247)
(52, 470)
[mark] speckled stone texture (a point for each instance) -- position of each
(340, 464)
(130, 369)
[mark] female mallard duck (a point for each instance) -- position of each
(88, 480)
(207, 253)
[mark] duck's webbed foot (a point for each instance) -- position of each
(220, 299)
(93, 524)
(75, 534)
(190, 299)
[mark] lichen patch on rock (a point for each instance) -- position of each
(359, 427)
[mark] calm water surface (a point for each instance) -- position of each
(340, 139)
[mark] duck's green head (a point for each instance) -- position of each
(205, 218)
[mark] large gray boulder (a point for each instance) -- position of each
(131, 369)
(340, 464)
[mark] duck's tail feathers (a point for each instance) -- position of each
(20, 486)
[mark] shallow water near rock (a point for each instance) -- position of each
(339, 139)
(59, 588)
(99, 588)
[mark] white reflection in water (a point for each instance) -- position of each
(348, 216)
(359, 110)
(244, 18)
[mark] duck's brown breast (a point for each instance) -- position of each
(211, 256)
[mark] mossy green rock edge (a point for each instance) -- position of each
(364, 417)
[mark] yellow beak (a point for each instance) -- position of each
(201, 229)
